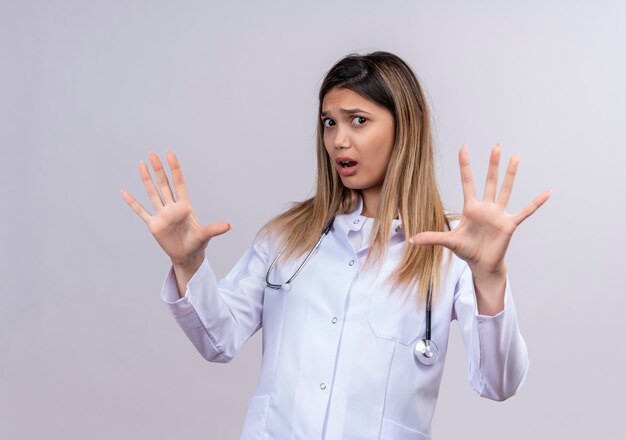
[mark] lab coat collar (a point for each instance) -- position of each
(354, 220)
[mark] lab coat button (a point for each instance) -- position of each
(351, 263)
(323, 386)
(356, 222)
(334, 320)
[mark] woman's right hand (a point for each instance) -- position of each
(174, 224)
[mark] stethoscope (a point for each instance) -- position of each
(425, 350)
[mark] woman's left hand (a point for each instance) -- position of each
(485, 230)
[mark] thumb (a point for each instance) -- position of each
(215, 229)
(432, 238)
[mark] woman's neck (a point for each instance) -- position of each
(371, 198)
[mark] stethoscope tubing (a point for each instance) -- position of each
(287, 284)
(425, 350)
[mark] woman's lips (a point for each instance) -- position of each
(347, 171)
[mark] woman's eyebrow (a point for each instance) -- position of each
(346, 110)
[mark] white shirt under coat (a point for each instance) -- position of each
(338, 347)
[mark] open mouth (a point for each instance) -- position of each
(347, 167)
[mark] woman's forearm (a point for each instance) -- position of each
(184, 273)
(489, 289)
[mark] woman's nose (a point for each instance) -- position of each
(342, 138)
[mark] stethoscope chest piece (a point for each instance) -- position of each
(426, 352)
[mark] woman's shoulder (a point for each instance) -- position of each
(267, 238)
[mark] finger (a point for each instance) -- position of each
(466, 175)
(177, 176)
(530, 209)
(433, 238)
(215, 229)
(164, 183)
(492, 175)
(136, 206)
(507, 183)
(153, 193)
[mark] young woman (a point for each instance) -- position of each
(355, 288)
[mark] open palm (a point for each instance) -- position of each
(485, 230)
(174, 224)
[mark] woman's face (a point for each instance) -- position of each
(358, 136)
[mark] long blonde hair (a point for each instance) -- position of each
(409, 188)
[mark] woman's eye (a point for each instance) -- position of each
(327, 122)
(359, 120)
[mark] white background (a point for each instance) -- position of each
(87, 89)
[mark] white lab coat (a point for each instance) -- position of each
(338, 347)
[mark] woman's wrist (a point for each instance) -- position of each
(189, 263)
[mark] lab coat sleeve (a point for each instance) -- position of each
(219, 316)
(498, 357)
